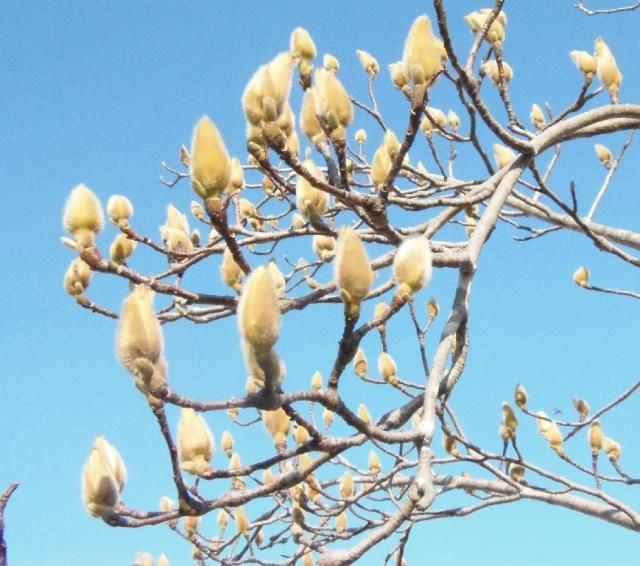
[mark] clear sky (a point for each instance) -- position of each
(102, 92)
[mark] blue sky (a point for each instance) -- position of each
(101, 93)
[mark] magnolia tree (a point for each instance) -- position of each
(335, 482)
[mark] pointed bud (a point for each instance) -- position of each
(230, 271)
(77, 277)
(509, 418)
(347, 485)
(195, 442)
(374, 463)
(327, 417)
(163, 560)
(277, 424)
(311, 202)
(537, 117)
(353, 272)
(330, 63)
(581, 276)
(121, 248)
(242, 521)
(595, 436)
(423, 54)
(432, 308)
(323, 246)
(363, 413)
(450, 445)
(543, 423)
(143, 559)
(604, 155)
(412, 266)
(492, 70)
(516, 472)
(302, 44)
(453, 120)
(585, 62)
(387, 368)
(341, 522)
(607, 68)
(258, 311)
(227, 443)
(611, 448)
(380, 166)
(554, 437)
(210, 166)
(582, 407)
(521, 396)
(267, 476)
(503, 156)
(380, 310)
(361, 136)
(316, 381)
(368, 62)
(83, 217)
(309, 122)
(398, 74)
(119, 210)
(100, 491)
(360, 363)
(222, 519)
(332, 99)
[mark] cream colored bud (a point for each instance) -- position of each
(368, 62)
(258, 311)
(77, 277)
(230, 271)
(115, 461)
(412, 266)
(177, 241)
(347, 485)
(509, 418)
(604, 154)
(309, 122)
(391, 143)
(121, 248)
(166, 504)
(332, 99)
(227, 443)
(554, 437)
(278, 279)
(594, 436)
(100, 491)
(450, 445)
(379, 311)
(505, 432)
(236, 179)
(363, 414)
(423, 54)
(297, 221)
(311, 202)
(195, 442)
(432, 308)
(582, 407)
(210, 166)
(143, 559)
(316, 381)
(190, 524)
(398, 74)
(503, 156)
(341, 522)
(277, 424)
(543, 423)
(293, 145)
(327, 417)
(119, 210)
(380, 166)
(607, 68)
(139, 334)
(302, 44)
(353, 272)
(387, 368)
(83, 217)
(250, 385)
(516, 472)
(436, 116)
(307, 560)
(454, 120)
(491, 69)
(323, 246)
(163, 560)
(581, 276)
(360, 136)
(521, 396)
(585, 62)
(222, 519)
(611, 448)
(267, 476)
(360, 363)
(233, 413)
(374, 463)
(330, 63)
(537, 117)
(495, 34)
(301, 435)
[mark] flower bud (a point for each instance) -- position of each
(302, 44)
(398, 74)
(166, 504)
(353, 272)
(230, 271)
(450, 445)
(143, 559)
(297, 221)
(100, 490)
(121, 248)
(341, 522)
(363, 414)
(380, 166)
(543, 423)
(604, 155)
(361, 136)
(387, 368)
(227, 443)
(454, 120)
(190, 524)
(327, 417)
(521, 396)
(316, 381)
(83, 217)
(77, 277)
(611, 448)
(412, 266)
(581, 276)
(585, 62)
(595, 436)
(360, 363)
(491, 69)
(242, 521)
(503, 156)
(423, 54)
(309, 122)
(516, 472)
(301, 435)
(278, 279)
(330, 63)
(236, 178)
(607, 68)
(311, 202)
(347, 485)
(222, 519)
(277, 424)
(432, 308)
(509, 418)
(554, 437)
(582, 407)
(332, 99)
(374, 463)
(119, 210)
(267, 476)
(537, 117)
(323, 246)
(210, 166)
(258, 311)
(195, 442)
(380, 310)
(163, 560)
(368, 62)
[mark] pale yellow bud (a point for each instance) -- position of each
(363, 413)
(307, 560)
(210, 166)
(380, 166)
(236, 179)
(191, 524)
(309, 122)
(516, 472)
(332, 100)
(417, 417)
(380, 310)
(611, 448)
(166, 504)
(301, 435)
(327, 417)
(360, 363)
(293, 145)
(368, 62)
(341, 522)
(537, 117)
(505, 432)
(582, 407)
(450, 445)
(258, 311)
(454, 120)
(604, 154)
(581, 276)
(163, 560)
(233, 413)
(391, 143)
(115, 461)
(509, 418)
(143, 559)
(423, 54)
(323, 246)
(521, 396)
(99, 485)
(222, 519)
(554, 437)
(432, 308)
(119, 210)
(176, 240)
(195, 442)
(121, 248)
(139, 334)
(595, 436)
(543, 423)
(242, 521)
(297, 221)
(347, 485)
(267, 476)
(83, 217)
(503, 156)
(77, 277)
(227, 443)
(277, 424)
(311, 202)
(412, 266)
(230, 271)
(495, 34)
(387, 368)
(585, 62)
(353, 272)
(316, 381)
(361, 136)
(374, 463)
(607, 68)
(302, 44)
(491, 69)
(436, 115)
(398, 74)
(330, 63)
(278, 279)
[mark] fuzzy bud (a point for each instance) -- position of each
(521, 396)
(380, 166)
(347, 486)
(423, 54)
(77, 278)
(516, 472)
(227, 443)
(432, 308)
(353, 272)
(379, 311)
(450, 445)
(277, 424)
(323, 246)
(360, 363)
(195, 442)
(585, 62)
(258, 311)
(607, 68)
(412, 266)
(302, 44)
(398, 74)
(454, 120)
(368, 62)
(330, 63)
(581, 276)
(82, 216)
(387, 368)
(119, 210)
(604, 155)
(554, 438)
(503, 156)
(363, 414)
(332, 99)
(582, 407)
(374, 463)
(100, 485)
(361, 136)
(230, 271)
(509, 419)
(121, 248)
(327, 417)
(594, 436)
(210, 166)
(242, 521)
(611, 448)
(537, 117)
(316, 381)
(341, 522)
(311, 202)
